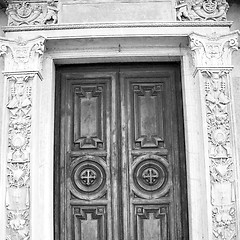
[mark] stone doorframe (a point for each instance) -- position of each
(27, 131)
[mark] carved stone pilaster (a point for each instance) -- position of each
(22, 68)
(201, 10)
(22, 13)
(212, 57)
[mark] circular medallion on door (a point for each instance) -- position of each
(88, 177)
(150, 176)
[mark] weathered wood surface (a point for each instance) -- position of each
(121, 162)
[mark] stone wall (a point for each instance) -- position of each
(116, 11)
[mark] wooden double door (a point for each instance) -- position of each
(119, 153)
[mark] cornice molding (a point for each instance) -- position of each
(116, 25)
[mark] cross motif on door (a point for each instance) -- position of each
(88, 177)
(150, 175)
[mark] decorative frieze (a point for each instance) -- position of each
(23, 58)
(212, 55)
(22, 13)
(201, 10)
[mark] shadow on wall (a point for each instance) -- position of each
(3, 20)
(233, 15)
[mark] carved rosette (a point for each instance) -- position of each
(212, 57)
(201, 10)
(23, 13)
(22, 57)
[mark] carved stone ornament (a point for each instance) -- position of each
(201, 10)
(22, 13)
(23, 59)
(213, 50)
(22, 55)
(18, 166)
(212, 57)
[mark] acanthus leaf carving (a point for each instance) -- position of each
(3, 50)
(22, 55)
(202, 10)
(213, 50)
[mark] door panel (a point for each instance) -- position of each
(88, 128)
(149, 155)
(119, 174)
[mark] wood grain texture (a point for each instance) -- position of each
(120, 163)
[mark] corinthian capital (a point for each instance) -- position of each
(213, 51)
(22, 55)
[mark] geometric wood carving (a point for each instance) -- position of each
(89, 116)
(86, 115)
(88, 177)
(109, 115)
(151, 176)
(152, 222)
(148, 115)
(89, 222)
(152, 101)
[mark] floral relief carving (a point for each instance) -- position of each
(18, 167)
(224, 222)
(18, 174)
(220, 155)
(215, 72)
(18, 225)
(201, 10)
(22, 65)
(22, 13)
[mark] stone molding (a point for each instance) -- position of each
(115, 25)
(201, 10)
(22, 13)
(23, 58)
(212, 58)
